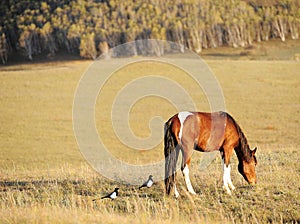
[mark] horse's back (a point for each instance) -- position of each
(207, 131)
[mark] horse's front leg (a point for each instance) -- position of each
(226, 155)
(227, 183)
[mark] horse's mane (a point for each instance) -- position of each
(243, 148)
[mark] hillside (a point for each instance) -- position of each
(88, 28)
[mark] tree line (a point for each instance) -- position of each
(90, 27)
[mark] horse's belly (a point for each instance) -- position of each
(209, 145)
(199, 149)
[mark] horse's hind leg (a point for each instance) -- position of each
(186, 160)
(176, 191)
(186, 172)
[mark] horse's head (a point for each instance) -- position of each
(247, 168)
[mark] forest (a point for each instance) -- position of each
(90, 27)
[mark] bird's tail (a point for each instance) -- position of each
(171, 156)
(107, 196)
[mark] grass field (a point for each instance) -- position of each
(45, 179)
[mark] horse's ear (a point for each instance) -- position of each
(254, 151)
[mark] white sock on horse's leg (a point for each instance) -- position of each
(230, 183)
(226, 178)
(175, 191)
(186, 172)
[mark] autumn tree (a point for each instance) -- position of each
(88, 28)
(3, 48)
(87, 46)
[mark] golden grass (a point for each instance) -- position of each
(44, 178)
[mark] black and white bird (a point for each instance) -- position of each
(113, 195)
(148, 183)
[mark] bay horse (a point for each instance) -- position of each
(206, 132)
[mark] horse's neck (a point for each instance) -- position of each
(239, 153)
(242, 152)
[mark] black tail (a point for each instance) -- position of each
(107, 196)
(95, 199)
(171, 156)
(144, 185)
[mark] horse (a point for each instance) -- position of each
(206, 132)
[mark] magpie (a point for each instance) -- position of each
(148, 183)
(113, 195)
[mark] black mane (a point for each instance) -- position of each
(242, 150)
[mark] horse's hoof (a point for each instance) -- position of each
(232, 187)
(226, 188)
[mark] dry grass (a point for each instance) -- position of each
(270, 50)
(44, 179)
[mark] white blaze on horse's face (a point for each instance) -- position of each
(182, 116)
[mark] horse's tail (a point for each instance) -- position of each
(171, 156)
